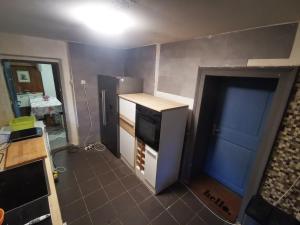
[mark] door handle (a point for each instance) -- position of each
(103, 107)
(215, 130)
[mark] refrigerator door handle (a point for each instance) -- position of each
(103, 93)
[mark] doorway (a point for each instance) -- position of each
(35, 90)
(241, 108)
(236, 115)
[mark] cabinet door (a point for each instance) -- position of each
(127, 109)
(127, 146)
(150, 165)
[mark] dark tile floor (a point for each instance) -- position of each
(98, 188)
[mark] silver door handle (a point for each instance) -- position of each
(103, 107)
(151, 154)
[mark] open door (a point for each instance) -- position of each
(11, 88)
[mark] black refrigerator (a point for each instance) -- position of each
(109, 87)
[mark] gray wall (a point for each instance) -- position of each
(179, 61)
(140, 62)
(86, 62)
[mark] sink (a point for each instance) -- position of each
(22, 185)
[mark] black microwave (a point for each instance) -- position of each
(147, 127)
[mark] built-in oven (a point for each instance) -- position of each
(147, 127)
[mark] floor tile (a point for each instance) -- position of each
(151, 208)
(179, 189)
(164, 219)
(89, 186)
(104, 215)
(123, 203)
(181, 212)
(192, 201)
(74, 211)
(208, 217)
(167, 197)
(84, 174)
(65, 180)
(95, 200)
(130, 181)
(133, 217)
(91, 166)
(123, 171)
(108, 156)
(107, 178)
(114, 189)
(197, 221)
(115, 163)
(95, 159)
(101, 168)
(85, 220)
(69, 195)
(140, 193)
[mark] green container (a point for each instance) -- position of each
(22, 123)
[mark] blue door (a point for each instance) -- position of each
(239, 118)
(11, 88)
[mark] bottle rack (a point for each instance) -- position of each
(140, 155)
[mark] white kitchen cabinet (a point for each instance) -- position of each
(127, 146)
(150, 165)
(127, 109)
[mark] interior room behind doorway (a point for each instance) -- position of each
(34, 90)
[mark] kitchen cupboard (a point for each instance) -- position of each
(127, 131)
(145, 120)
(127, 146)
(127, 109)
(150, 165)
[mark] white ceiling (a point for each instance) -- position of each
(159, 21)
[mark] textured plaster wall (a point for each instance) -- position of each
(86, 63)
(179, 61)
(140, 63)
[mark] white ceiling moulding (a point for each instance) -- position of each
(293, 60)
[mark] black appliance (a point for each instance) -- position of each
(109, 87)
(24, 194)
(147, 127)
(28, 212)
(25, 134)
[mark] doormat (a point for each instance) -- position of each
(217, 197)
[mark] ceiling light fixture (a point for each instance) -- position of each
(103, 18)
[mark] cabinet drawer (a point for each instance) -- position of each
(127, 109)
(127, 146)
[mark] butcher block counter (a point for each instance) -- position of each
(31, 150)
(152, 102)
(26, 151)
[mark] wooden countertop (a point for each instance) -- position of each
(26, 151)
(52, 198)
(152, 102)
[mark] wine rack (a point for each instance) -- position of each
(140, 155)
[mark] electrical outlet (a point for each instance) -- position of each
(82, 82)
